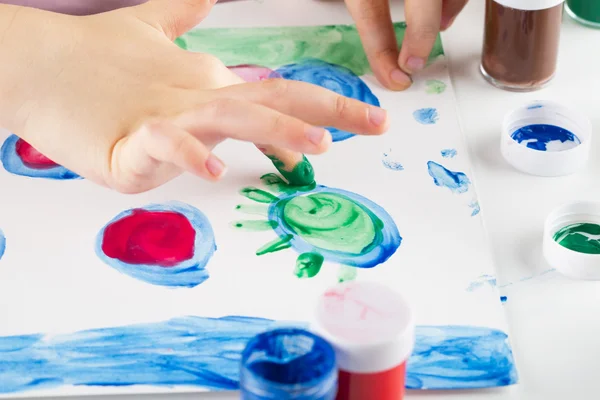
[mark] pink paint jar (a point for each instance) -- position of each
(372, 330)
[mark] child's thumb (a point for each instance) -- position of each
(174, 17)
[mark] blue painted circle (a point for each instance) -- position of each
(13, 164)
(390, 241)
(333, 77)
(189, 273)
(288, 363)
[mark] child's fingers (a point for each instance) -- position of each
(294, 166)
(254, 123)
(313, 104)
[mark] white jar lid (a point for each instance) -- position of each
(530, 5)
(370, 326)
(569, 262)
(522, 155)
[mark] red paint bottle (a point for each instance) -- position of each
(372, 330)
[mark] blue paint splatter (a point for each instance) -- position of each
(449, 153)
(281, 361)
(13, 164)
(206, 353)
(476, 208)
(333, 77)
(390, 164)
(503, 299)
(379, 251)
(544, 137)
(457, 182)
(2, 244)
(189, 273)
(426, 116)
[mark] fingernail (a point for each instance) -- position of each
(446, 22)
(400, 77)
(315, 135)
(377, 115)
(215, 166)
(415, 63)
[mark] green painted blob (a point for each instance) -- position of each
(253, 209)
(301, 175)
(258, 195)
(347, 274)
(331, 221)
(274, 47)
(275, 245)
(275, 183)
(255, 226)
(308, 265)
(435, 87)
(582, 238)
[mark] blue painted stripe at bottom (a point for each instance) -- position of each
(206, 352)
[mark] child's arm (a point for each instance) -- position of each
(112, 98)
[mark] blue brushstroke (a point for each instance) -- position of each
(389, 164)
(449, 153)
(476, 208)
(503, 299)
(189, 273)
(426, 116)
(2, 244)
(333, 77)
(457, 182)
(380, 251)
(482, 280)
(535, 107)
(459, 357)
(288, 360)
(544, 137)
(528, 278)
(13, 164)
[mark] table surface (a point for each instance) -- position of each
(554, 322)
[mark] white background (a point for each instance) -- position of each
(553, 321)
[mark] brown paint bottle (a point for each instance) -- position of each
(521, 41)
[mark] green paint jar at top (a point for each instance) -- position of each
(586, 12)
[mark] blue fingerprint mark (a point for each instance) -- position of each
(2, 244)
(15, 165)
(426, 116)
(206, 353)
(449, 153)
(457, 182)
(154, 237)
(333, 77)
(389, 163)
(545, 137)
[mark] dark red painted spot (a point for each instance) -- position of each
(163, 238)
(31, 157)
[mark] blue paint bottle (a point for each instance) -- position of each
(288, 364)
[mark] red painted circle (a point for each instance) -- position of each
(31, 157)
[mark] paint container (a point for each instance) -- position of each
(521, 41)
(288, 364)
(545, 138)
(586, 12)
(372, 330)
(572, 240)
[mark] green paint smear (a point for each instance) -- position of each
(258, 195)
(255, 226)
(347, 274)
(275, 245)
(582, 237)
(332, 221)
(308, 265)
(253, 209)
(435, 87)
(301, 175)
(274, 47)
(275, 183)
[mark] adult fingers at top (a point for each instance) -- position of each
(313, 104)
(423, 20)
(450, 9)
(374, 24)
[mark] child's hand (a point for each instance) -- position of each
(112, 98)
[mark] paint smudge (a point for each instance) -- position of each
(391, 164)
(476, 209)
(166, 244)
(337, 225)
(482, 281)
(302, 174)
(426, 116)
(253, 73)
(273, 47)
(20, 158)
(2, 244)
(435, 86)
(580, 237)
(503, 299)
(535, 107)
(205, 353)
(335, 78)
(544, 137)
(346, 274)
(457, 182)
(449, 153)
